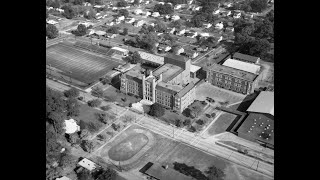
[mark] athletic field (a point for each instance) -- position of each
(80, 65)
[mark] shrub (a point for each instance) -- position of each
(115, 126)
(93, 127)
(200, 122)
(94, 103)
(189, 171)
(156, 110)
(186, 122)
(80, 98)
(109, 98)
(71, 93)
(213, 115)
(192, 129)
(101, 137)
(109, 133)
(101, 117)
(97, 92)
(105, 108)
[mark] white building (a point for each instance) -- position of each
(207, 25)
(71, 126)
(175, 17)
(161, 3)
(139, 23)
(138, 11)
(204, 34)
(155, 14)
(244, 66)
(178, 6)
(181, 32)
(87, 164)
(219, 25)
(121, 18)
(53, 22)
(130, 20)
(148, 13)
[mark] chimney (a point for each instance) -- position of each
(151, 73)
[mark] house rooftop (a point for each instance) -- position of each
(86, 163)
(245, 57)
(233, 72)
(244, 66)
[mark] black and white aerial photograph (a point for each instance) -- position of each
(159, 89)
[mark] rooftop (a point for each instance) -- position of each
(71, 126)
(194, 68)
(264, 103)
(151, 57)
(233, 72)
(86, 163)
(176, 57)
(186, 89)
(63, 178)
(120, 49)
(168, 71)
(245, 57)
(157, 171)
(136, 72)
(244, 66)
(255, 124)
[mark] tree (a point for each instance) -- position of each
(105, 80)
(69, 11)
(105, 108)
(97, 92)
(127, 119)
(71, 93)
(84, 133)
(113, 30)
(197, 21)
(178, 123)
(47, 13)
(66, 160)
(123, 12)
(175, 24)
(122, 3)
(87, 146)
(156, 110)
(94, 103)
(192, 129)
(85, 175)
(73, 138)
(136, 58)
(55, 4)
(72, 107)
(186, 122)
(81, 30)
(163, 9)
(215, 173)
(200, 122)
(90, 13)
(259, 47)
(125, 31)
(108, 174)
(52, 31)
(101, 137)
(258, 5)
(78, 2)
(160, 26)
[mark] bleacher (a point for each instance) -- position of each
(91, 47)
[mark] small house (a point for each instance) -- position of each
(138, 11)
(175, 17)
(191, 53)
(219, 25)
(178, 6)
(207, 25)
(179, 50)
(87, 164)
(164, 47)
(181, 32)
(237, 15)
(139, 23)
(111, 35)
(155, 14)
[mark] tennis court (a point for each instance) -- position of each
(79, 64)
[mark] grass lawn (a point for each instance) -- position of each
(171, 116)
(111, 92)
(221, 124)
(87, 113)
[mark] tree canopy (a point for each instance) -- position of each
(123, 12)
(71, 93)
(81, 30)
(122, 3)
(69, 11)
(163, 9)
(52, 31)
(134, 58)
(156, 110)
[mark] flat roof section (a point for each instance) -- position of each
(264, 103)
(244, 66)
(245, 57)
(255, 124)
(151, 57)
(168, 71)
(135, 72)
(233, 72)
(194, 68)
(157, 171)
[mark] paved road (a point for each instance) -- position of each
(206, 145)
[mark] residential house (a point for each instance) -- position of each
(53, 22)
(130, 20)
(204, 34)
(219, 25)
(236, 15)
(138, 11)
(202, 48)
(60, 10)
(207, 25)
(228, 4)
(114, 8)
(216, 11)
(164, 47)
(230, 29)
(226, 13)
(71, 126)
(175, 17)
(169, 3)
(87, 164)
(179, 50)
(111, 35)
(192, 34)
(180, 31)
(139, 23)
(155, 14)
(161, 3)
(171, 30)
(189, 2)
(110, 23)
(148, 13)
(248, 16)
(147, 2)
(178, 6)
(218, 37)
(120, 18)
(190, 53)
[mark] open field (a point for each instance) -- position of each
(166, 151)
(221, 124)
(78, 64)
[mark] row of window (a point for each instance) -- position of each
(230, 79)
